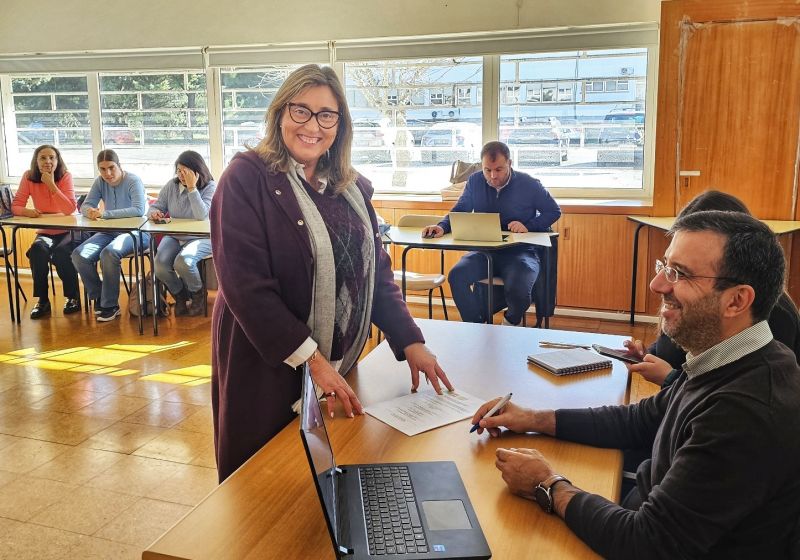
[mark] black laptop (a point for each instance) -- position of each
(389, 510)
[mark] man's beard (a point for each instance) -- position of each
(699, 326)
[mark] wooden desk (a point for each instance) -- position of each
(269, 507)
(176, 226)
(664, 223)
(74, 222)
(411, 238)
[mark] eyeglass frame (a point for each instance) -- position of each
(313, 115)
(680, 275)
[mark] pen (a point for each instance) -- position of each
(492, 411)
(545, 344)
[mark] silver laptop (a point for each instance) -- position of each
(476, 226)
(389, 510)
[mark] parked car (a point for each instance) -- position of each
(370, 143)
(119, 136)
(623, 127)
(622, 140)
(538, 143)
(447, 142)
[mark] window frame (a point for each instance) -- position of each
(212, 60)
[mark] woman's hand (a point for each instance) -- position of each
(31, 212)
(156, 215)
(334, 386)
(420, 359)
(188, 178)
(47, 179)
(652, 368)
(93, 213)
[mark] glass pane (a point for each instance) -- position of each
(585, 130)
(50, 110)
(413, 118)
(148, 119)
(246, 94)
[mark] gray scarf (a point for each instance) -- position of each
(323, 301)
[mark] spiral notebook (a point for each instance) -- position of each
(572, 360)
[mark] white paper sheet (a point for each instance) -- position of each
(419, 412)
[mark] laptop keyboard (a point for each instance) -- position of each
(390, 511)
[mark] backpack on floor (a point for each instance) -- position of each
(133, 299)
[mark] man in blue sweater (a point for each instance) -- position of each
(524, 205)
(725, 436)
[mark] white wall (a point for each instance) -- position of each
(77, 25)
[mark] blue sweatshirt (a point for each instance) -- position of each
(523, 199)
(126, 200)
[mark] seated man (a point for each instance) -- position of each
(524, 205)
(725, 436)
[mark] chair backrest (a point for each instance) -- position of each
(418, 220)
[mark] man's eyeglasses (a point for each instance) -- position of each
(301, 115)
(673, 275)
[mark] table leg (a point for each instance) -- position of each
(156, 291)
(8, 273)
(490, 276)
(546, 254)
(16, 270)
(633, 272)
(403, 268)
(142, 288)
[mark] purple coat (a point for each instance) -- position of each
(263, 261)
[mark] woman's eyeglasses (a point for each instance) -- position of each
(301, 115)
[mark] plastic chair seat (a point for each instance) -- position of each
(417, 282)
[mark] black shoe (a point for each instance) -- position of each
(108, 314)
(72, 305)
(41, 309)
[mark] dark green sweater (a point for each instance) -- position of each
(724, 481)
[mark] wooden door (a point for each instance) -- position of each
(739, 112)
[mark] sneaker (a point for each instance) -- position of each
(72, 305)
(41, 309)
(98, 309)
(108, 314)
(508, 323)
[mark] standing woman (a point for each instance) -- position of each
(188, 195)
(301, 271)
(123, 196)
(49, 184)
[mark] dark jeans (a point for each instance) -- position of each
(56, 249)
(518, 268)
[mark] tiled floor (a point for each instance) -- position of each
(106, 437)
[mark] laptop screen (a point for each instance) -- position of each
(319, 451)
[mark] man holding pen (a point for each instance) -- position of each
(725, 436)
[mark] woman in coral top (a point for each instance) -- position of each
(49, 184)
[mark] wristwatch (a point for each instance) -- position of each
(543, 493)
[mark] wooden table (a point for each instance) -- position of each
(269, 508)
(664, 223)
(176, 226)
(411, 238)
(74, 222)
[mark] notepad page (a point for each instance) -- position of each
(572, 360)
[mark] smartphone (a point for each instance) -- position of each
(161, 220)
(616, 354)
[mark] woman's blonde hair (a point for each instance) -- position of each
(335, 164)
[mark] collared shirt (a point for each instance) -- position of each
(508, 180)
(729, 350)
(301, 171)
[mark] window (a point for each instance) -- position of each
(246, 94)
(509, 94)
(49, 110)
(410, 145)
(150, 118)
(586, 129)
